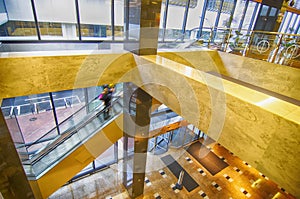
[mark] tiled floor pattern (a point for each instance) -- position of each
(238, 180)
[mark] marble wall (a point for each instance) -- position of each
(260, 129)
(274, 77)
(32, 75)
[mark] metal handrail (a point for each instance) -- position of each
(63, 137)
(249, 45)
(39, 140)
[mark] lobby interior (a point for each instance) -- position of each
(243, 107)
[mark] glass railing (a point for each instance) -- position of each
(65, 126)
(275, 47)
(66, 142)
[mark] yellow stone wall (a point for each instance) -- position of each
(258, 128)
(274, 77)
(32, 75)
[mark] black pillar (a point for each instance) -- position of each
(137, 110)
(142, 26)
(14, 183)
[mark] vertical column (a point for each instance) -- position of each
(143, 26)
(137, 110)
(13, 181)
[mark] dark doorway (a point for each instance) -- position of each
(266, 19)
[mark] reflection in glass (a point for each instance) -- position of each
(106, 158)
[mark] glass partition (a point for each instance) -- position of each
(15, 131)
(268, 46)
(63, 144)
(261, 45)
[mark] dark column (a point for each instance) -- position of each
(13, 181)
(142, 26)
(137, 109)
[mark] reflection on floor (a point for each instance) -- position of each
(238, 180)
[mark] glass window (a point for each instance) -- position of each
(33, 113)
(286, 22)
(291, 28)
(2, 7)
(193, 19)
(57, 19)
(249, 14)
(297, 24)
(210, 18)
(238, 13)
(224, 20)
(67, 103)
(119, 19)
(95, 19)
(264, 10)
(162, 18)
(17, 21)
(175, 21)
(273, 12)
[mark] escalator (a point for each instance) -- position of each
(52, 160)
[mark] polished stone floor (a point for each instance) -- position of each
(238, 180)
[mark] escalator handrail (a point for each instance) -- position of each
(154, 114)
(66, 135)
(37, 141)
(63, 137)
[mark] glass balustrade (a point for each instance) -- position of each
(66, 142)
(58, 148)
(279, 48)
